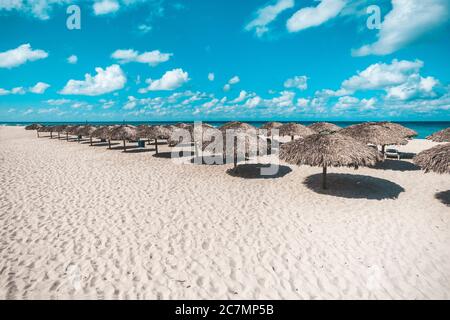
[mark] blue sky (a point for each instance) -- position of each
(223, 60)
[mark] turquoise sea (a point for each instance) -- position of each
(424, 129)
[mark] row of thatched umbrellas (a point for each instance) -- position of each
(320, 144)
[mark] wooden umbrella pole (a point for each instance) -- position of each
(292, 138)
(124, 146)
(156, 145)
(109, 143)
(90, 139)
(324, 178)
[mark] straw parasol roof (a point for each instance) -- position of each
(123, 132)
(102, 132)
(59, 128)
(374, 133)
(436, 159)
(402, 130)
(86, 130)
(33, 126)
(271, 125)
(329, 150)
(440, 136)
(45, 129)
(294, 129)
(324, 127)
(158, 132)
(236, 125)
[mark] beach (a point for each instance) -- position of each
(85, 222)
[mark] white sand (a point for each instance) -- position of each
(86, 222)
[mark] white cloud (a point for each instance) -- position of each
(407, 21)
(18, 90)
(3, 92)
(57, 102)
(416, 86)
(20, 55)
(382, 75)
(302, 102)
(110, 79)
(211, 76)
(40, 9)
(171, 80)
(242, 96)
(266, 15)
(314, 16)
(234, 80)
(299, 82)
(145, 28)
(39, 88)
(152, 58)
(105, 7)
(131, 103)
(226, 87)
(72, 59)
(28, 111)
(347, 103)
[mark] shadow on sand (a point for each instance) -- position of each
(139, 150)
(396, 165)
(444, 197)
(354, 186)
(104, 144)
(253, 171)
(168, 155)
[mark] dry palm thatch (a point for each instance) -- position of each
(87, 131)
(440, 136)
(246, 142)
(268, 126)
(324, 127)
(182, 125)
(295, 129)
(156, 132)
(33, 126)
(329, 150)
(103, 133)
(59, 129)
(436, 159)
(124, 132)
(236, 125)
(402, 130)
(47, 129)
(374, 133)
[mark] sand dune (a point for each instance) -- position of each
(85, 222)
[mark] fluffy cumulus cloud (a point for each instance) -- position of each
(39, 9)
(211, 76)
(265, 15)
(39, 88)
(407, 21)
(152, 58)
(20, 55)
(400, 79)
(106, 80)
(171, 80)
(105, 7)
(232, 81)
(299, 82)
(314, 16)
(72, 59)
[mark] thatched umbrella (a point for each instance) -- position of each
(67, 130)
(103, 133)
(294, 129)
(324, 127)
(47, 129)
(248, 141)
(34, 126)
(440, 136)
(157, 132)
(59, 129)
(268, 126)
(238, 126)
(436, 159)
(87, 132)
(375, 133)
(328, 150)
(124, 132)
(402, 130)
